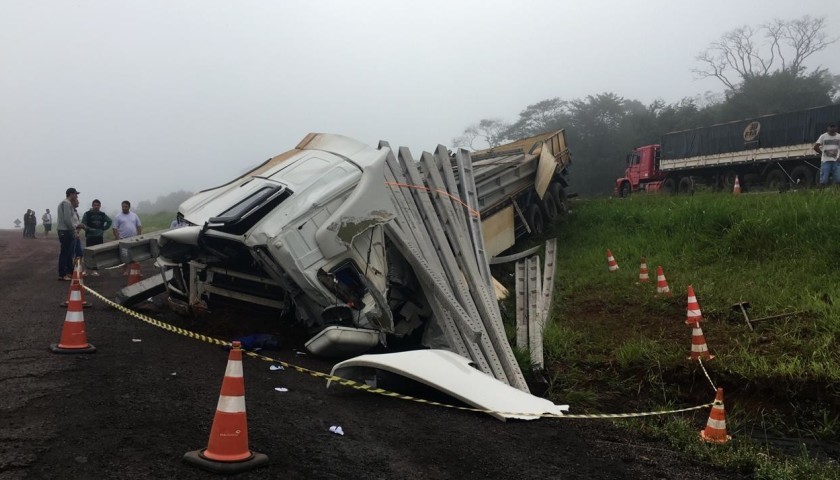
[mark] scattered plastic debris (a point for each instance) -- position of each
(136, 340)
(300, 353)
(337, 430)
(276, 367)
(281, 389)
(174, 373)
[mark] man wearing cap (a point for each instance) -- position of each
(828, 146)
(68, 233)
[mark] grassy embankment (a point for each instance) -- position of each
(157, 221)
(614, 345)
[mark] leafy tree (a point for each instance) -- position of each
(781, 91)
(543, 116)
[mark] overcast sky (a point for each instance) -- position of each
(136, 99)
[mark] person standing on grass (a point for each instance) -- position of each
(47, 221)
(828, 146)
(126, 224)
(67, 233)
(95, 222)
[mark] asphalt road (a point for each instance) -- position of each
(132, 409)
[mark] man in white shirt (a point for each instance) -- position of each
(126, 224)
(828, 145)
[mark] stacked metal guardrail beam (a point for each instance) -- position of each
(433, 232)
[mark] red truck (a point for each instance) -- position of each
(773, 151)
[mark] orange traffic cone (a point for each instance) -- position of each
(76, 280)
(661, 283)
(134, 274)
(73, 336)
(736, 189)
(699, 349)
(227, 450)
(715, 431)
(643, 272)
(692, 310)
(613, 266)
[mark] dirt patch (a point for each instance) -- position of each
(133, 409)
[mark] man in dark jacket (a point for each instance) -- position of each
(96, 223)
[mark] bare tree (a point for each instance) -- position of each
(467, 139)
(747, 53)
(489, 130)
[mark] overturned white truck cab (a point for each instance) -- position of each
(363, 245)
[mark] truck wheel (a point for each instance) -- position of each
(535, 219)
(669, 186)
(728, 180)
(802, 176)
(624, 190)
(548, 207)
(559, 196)
(776, 181)
(686, 186)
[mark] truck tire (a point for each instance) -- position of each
(776, 181)
(559, 195)
(727, 180)
(548, 207)
(669, 186)
(686, 186)
(624, 190)
(802, 176)
(535, 219)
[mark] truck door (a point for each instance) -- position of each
(633, 168)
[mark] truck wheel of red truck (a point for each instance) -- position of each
(624, 190)
(776, 181)
(669, 186)
(802, 176)
(686, 186)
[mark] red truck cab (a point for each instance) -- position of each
(642, 172)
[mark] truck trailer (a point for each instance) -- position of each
(772, 151)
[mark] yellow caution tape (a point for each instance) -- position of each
(365, 387)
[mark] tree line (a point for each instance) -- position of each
(762, 70)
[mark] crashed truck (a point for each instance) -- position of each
(362, 245)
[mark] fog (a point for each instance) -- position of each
(137, 99)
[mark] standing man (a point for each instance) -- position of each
(828, 145)
(29, 224)
(95, 222)
(47, 221)
(67, 234)
(126, 224)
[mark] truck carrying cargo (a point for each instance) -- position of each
(772, 151)
(362, 245)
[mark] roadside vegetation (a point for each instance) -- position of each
(615, 346)
(156, 222)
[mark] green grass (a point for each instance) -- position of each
(614, 345)
(157, 221)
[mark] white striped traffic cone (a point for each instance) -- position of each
(715, 431)
(661, 283)
(73, 335)
(699, 349)
(643, 272)
(692, 310)
(227, 450)
(612, 264)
